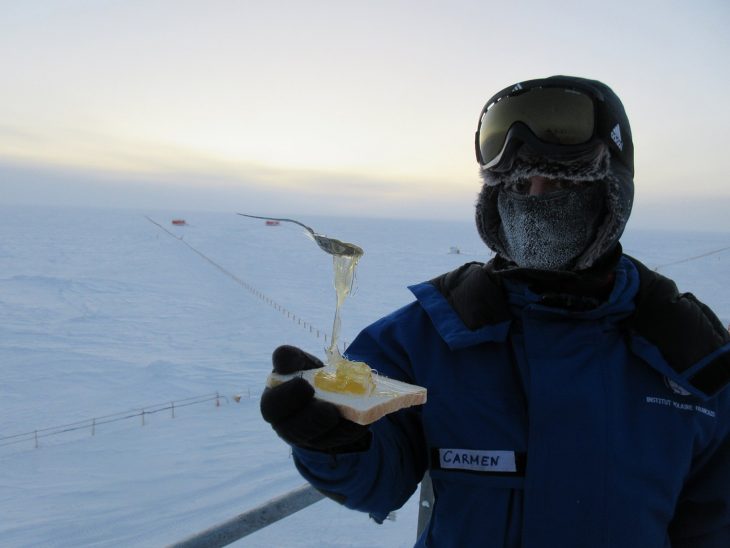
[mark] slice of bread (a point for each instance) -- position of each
(389, 396)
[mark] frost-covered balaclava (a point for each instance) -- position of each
(549, 231)
(564, 231)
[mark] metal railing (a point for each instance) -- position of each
(257, 518)
(280, 507)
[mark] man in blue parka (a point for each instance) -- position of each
(575, 398)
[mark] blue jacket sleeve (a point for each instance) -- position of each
(702, 519)
(382, 478)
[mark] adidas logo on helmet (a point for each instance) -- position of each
(616, 136)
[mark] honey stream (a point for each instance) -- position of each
(341, 374)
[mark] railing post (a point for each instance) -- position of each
(425, 504)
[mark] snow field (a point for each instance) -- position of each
(101, 311)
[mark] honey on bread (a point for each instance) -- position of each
(347, 377)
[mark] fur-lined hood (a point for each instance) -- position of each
(605, 170)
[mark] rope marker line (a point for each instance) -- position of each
(260, 295)
(692, 258)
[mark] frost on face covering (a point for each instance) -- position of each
(549, 231)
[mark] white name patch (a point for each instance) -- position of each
(479, 461)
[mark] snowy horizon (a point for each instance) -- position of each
(318, 195)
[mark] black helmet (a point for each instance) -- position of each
(559, 127)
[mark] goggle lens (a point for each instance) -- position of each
(554, 115)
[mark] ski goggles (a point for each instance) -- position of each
(558, 121)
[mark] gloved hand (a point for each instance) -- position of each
(300, 419)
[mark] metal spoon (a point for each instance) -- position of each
(333, 246)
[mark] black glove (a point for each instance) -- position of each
(302, 420)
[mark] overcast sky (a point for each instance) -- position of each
(337, 106)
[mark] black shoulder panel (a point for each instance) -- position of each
(476, 295)
(684, 329)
